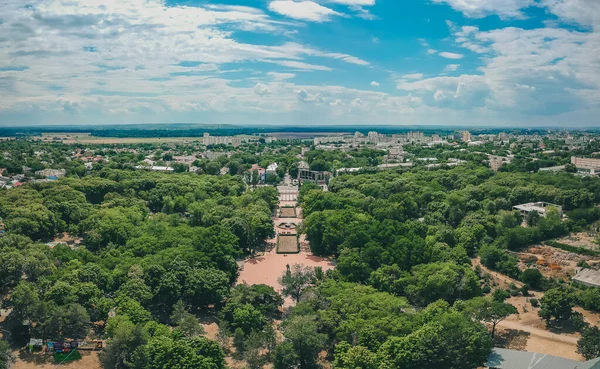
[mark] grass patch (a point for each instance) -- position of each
(287, 244)
(573, 249)
(63, 357)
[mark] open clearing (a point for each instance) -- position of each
(526, 331)
(553, 262)
(587, 240)
(288, 244)
(267, 268)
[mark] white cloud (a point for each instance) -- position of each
(451, 67)
(261, 89)
(525, 87)
(353, 2)
(357, 102)
(337, 102)
(375, 84)
(306, 97)
(413, 76)
(281, 76)
(303, 10)
(347, 58)
(186, 64)
(583, 12)
(301, 65)
(357, 6)
(482, 8)
(431, 51)
(448, 55)
(537, 72)
(463, 92)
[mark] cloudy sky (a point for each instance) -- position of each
(302, 62)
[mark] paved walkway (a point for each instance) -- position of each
(267, 268)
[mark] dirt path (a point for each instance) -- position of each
(525, 331)
(521, 326)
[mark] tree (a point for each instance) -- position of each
(186, 322)
(125, 340)
(449, 341)
(301, 332)
(133, 309)
(589, 343)
(533, 218)
(7, 359)
(261, 296)
(206, 286)
(248, 318)
(272, 179)
(165, 352)
(532, 277)
(557, 304)
(296, 280)
(489, 310)
(239, 340)
(190, 326)
(348, 357)
(254, 345)
(284, 356)
(254, 178)
(75, 322)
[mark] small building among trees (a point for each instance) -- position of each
(511, 359)
(588, 277)
(540, 207)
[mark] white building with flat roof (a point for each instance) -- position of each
(539, 207)
(588, 277)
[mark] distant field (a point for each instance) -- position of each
(85, 138)
(287, 244)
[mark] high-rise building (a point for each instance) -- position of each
(465, 136)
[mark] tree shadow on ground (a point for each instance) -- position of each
(564, 327)
(511, 339)
(37, 358)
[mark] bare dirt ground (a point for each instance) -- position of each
(65, 238)
(582, 239)
(553, 262)
(89, 360)
(526, 331)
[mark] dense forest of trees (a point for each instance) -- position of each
(151, 240)
(159, 250)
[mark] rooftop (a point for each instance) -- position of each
(510, 359)
(588, 277)
(540, 207)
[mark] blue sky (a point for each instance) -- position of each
(302, 62)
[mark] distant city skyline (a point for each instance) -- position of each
(466, 63)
